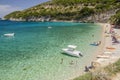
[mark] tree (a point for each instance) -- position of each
(86, 12)
(115, 19)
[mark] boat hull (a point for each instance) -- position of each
(9, 35)
(72, 53)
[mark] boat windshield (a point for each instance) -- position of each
(72, 46)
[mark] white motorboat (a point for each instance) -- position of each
(9, 34)
(71, 51)
(49, 27)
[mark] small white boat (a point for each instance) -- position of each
(9, 34)
(71, 51)
(49, 27)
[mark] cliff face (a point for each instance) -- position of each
(75, 10)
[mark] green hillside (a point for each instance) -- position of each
(65, 10)
(115, 19)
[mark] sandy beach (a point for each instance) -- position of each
(108, 51)
(100, 50)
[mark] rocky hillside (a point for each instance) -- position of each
(75, 10)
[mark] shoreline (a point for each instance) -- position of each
(105, 42)
(76, 21)
(101, 46)
(98, 51)
(106, 47)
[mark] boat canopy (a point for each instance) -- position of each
(72, 46)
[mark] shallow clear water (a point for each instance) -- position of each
(35, 51)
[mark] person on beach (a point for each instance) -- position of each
(92, 65)
(112, 31)
(114, 39)
(86, 69)
(71, 63)
(99, 42)
(106, 28)
(61, 61)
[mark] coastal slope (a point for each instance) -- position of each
(72, 10)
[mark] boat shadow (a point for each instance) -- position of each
(69, 55)
(9, 38)
(93, 44)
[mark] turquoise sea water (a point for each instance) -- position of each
(35, 51)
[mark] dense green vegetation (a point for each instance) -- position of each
(113, 69)
(66, 9)
(116, 18)
(87, 76)
(86, 2)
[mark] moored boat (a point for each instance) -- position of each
(70, 50)
(9, 34)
